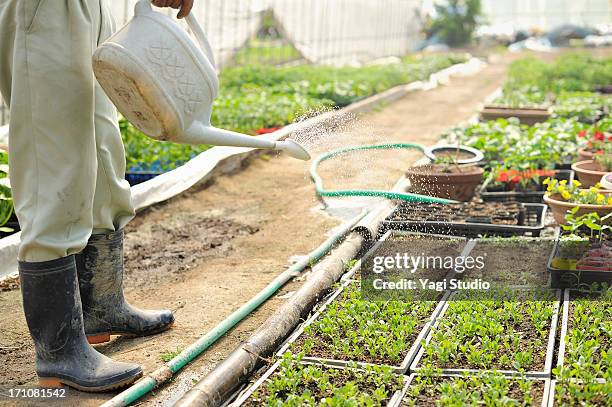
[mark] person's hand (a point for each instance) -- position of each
(184, 5)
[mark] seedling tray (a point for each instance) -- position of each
(530, 223)
(525, 197)
(400, 369)
(550, 349)
(526, 115)
(545, 394)
(564, 330)
(394, 401)
(551, 395)
(135, 178)
(573, 278)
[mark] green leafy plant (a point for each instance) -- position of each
(597, 226)
(6, 198)
(355, 329)
(605, 159)
(569, 72)
(526, 96)
(588, 350)
(587, 107)
(503, 331)
(169, 355)
(484, 389)
(296, 384)
(508, 144)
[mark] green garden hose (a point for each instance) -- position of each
(369, 192)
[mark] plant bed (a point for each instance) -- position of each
(474, 390)
(292, 382)
(587, 107)
(583, 366)
(512, 261)
(509, 144)
(586, 336)
(470, 219)
(445, 181)
(355, 331)
(516, 186)
(513, 335)
(571, 393)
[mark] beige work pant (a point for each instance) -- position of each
(67, 161)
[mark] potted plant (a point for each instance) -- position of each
(519, 185)
(597, 138)
(562, 196)
(444, 178)
(590, 172)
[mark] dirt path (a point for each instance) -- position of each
(206, 252)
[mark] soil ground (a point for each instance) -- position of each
(206, 252)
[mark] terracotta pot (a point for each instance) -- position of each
(430, 180)
(584, 155)
(559, 207)
(589, 172)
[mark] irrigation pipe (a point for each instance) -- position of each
(369, 192)
(219, 384)
(165, 373)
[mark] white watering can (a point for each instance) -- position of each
(165, 85)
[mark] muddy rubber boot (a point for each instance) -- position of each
(53, 312)
(105, 310)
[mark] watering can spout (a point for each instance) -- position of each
(198, 133)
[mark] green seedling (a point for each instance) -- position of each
(169, 355)
(296, 384)
(354, 329)
(588, 343)
(473, 390)
(508, 331)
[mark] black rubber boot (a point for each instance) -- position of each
(53, 312)
(105, 310)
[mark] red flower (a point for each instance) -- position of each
(266, 130)
(502, 177)
(582, 133)
(516, 179)
(599, 136)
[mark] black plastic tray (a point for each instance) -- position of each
(525, 197)
(573, 279)
(135, 178)
(533, 225)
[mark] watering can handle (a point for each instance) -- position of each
(193, 24)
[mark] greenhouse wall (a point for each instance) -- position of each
(547, 14)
